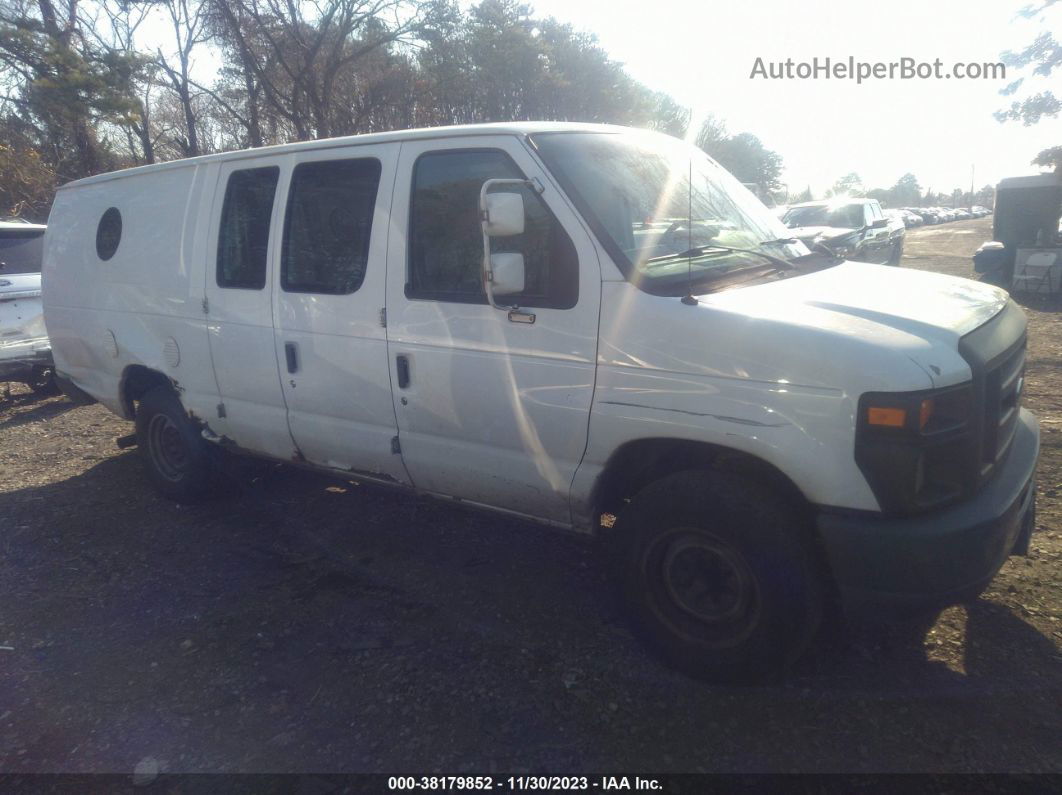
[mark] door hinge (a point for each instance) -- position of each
(396, 448)
(206, 306)
(383, 317)
(221, 411)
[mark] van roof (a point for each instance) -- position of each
(501, 128)
(18, 225)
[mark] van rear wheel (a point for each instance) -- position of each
(178, 460)
(718, 577)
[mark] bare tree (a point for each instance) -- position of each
(299, 53)
(112, 26)
(188, 18)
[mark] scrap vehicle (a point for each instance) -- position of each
(856, 229)
(25, 353)
(589, 326)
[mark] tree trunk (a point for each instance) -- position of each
(254, 124)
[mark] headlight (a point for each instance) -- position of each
(842, 246)
(917, 450)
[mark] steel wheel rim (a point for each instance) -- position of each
(705, 578)
(169, 454)
(704, 589)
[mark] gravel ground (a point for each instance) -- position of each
(313, 624)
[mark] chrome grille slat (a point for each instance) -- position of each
(1001, 407)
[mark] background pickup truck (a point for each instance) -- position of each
(25, 353)
(855, 229)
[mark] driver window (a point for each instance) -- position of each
(446, 242)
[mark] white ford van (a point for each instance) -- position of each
(590, 326)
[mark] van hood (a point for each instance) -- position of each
(920, 303)
(872, 313)
(843, 331)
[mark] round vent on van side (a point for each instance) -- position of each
(108, 234)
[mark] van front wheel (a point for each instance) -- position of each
(718, 576)
(177, 458)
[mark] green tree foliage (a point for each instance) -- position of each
(1049, 158)
(905, 193)
(63, 88)
(86, 92)
(26, 180)
(743, 155)
(1038, 60)
(849, 185)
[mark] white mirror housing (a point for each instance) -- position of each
(503, 214)
(507, 273)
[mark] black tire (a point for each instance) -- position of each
(42, 382)
(896, 254)
(764, 597)
(179, 461)
(1001, 277)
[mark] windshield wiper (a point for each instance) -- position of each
(700, 251)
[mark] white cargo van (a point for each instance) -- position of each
(593, 327)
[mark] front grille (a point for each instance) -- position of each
(996, 355)
(1002, 393)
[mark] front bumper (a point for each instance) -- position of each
(939, 558)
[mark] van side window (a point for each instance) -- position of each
(327, 226)
(243, 237)
(446, 244)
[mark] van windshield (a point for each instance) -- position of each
(660, 205)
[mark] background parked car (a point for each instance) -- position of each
(856, 229)
(25, 352)
(907, 219)
(911, 219)
(928, 215)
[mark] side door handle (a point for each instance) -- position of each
(291, 353)
(402, 366)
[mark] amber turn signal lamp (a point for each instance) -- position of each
(888, 418)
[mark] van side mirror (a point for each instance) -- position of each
(507, 273)
(879, 223)
(503, 214)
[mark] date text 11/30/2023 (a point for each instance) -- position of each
(523, 783)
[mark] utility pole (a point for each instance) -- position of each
(971, 185)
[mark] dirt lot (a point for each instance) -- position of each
(310, 624)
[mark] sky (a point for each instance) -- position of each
(702, 52)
